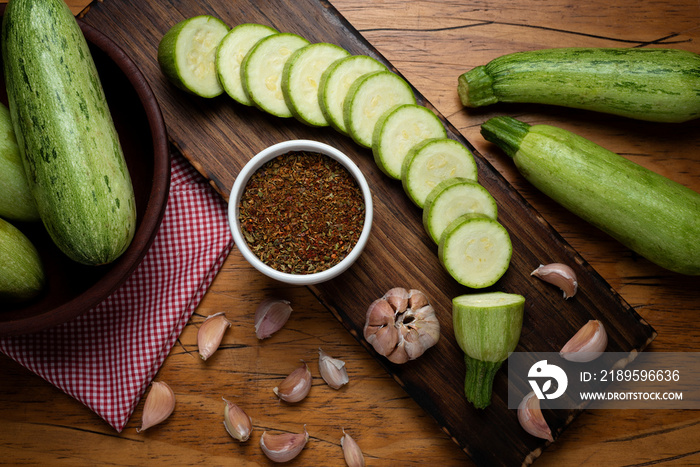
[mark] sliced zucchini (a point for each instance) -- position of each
(335, 83)
(475, 250)
(187, 54)
(398, 130)
(301, 77)
(452, 198)
(261, 71)
(230, 54)
(368, 98)
(432, 161)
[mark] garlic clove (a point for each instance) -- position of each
(283, 447)
(210, 334)
(238, 424)
(587, 344)
(531, 418)
(332, 370)
(159, 404)
(270, 316)
(560, 275)
(351, 451)
(296, 386)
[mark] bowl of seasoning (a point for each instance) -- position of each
(300, 212)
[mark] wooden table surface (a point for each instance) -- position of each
(430, 43)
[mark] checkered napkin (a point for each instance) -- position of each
(107, 357)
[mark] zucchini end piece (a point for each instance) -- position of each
(475, 88)
(505, 132)
(478, 382)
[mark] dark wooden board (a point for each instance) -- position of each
(218, 136)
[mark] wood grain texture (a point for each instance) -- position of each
(430, 43)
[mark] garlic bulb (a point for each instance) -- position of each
(560, 275)
(296, 386)
(238, 424)
(332, 370)
(351, 451)
(270, 316)
(531, 418)
(401, 325)
(283, 447)
(587, 344)
(210, 334)
(159, 404)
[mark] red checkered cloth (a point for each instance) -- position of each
(107, 357)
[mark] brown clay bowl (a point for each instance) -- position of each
(72, 288)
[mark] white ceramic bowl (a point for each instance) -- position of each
(239, 186)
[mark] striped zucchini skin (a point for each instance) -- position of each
(650, 214)
(660, 85)
(21, 270)
(69, 145)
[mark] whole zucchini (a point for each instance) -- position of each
(660, 85)
(69, 145)
(650, 214)
(21, 271)
(16, 201)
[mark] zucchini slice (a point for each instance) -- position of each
(430, 162)
(475, 250)
(398, 130)
(261, 71)
(452, 198)
(301, 77)
(187, 54)
(368, 98)
(335, 83)
(230, 54)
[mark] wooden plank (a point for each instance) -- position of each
(218, 137)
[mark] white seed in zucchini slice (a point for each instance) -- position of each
(398, 130)
(230, 54)
(187, 54)
(475, 250)
(368, 98)
(301, 78)
(432, 161)
(261, 71)
(335, 83)
(452, 198)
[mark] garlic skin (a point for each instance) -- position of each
(587, 344)
(296, 386)
(270, 316)
(351, 451)
(560, 275)
(531, 418)
(332, 370)
(238, 424)
(401, 325)
(210, 334)
(159, 404)
(283, 447)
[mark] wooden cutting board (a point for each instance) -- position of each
(218, 136)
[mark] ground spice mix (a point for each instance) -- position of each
(301, 212)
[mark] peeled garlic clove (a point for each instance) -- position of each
(238, 424)
(560, 275)
(270, 316)
(210, 334)
(296, 386)
(531, 418)
(159, 404)
(332, 370)
(587, 344)
(351, 451)
(283, 447)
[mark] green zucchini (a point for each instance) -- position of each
(660, 85)
(21, 270)
(69, 145)
(16, 200)
(650, 214)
